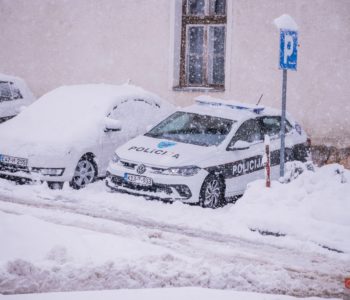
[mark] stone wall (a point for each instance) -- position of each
(322, 155)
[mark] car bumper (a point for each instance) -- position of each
(164, 187)
(24, 174)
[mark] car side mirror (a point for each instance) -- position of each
(112, 125)
(239, 145)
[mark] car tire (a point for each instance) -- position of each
(55, 185)
(85, 173)
(212, 194)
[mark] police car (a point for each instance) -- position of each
(206, 153)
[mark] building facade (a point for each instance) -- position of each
(180, 49)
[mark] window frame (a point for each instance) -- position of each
(288, 127)
(199, 20)
(235, 138)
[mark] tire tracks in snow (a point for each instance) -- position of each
(128, 219)
(219, 248)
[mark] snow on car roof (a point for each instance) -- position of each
(69, 113)
(227, 109)
(98, 98)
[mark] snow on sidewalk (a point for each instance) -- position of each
(156, 294)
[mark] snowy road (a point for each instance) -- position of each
(193, 253)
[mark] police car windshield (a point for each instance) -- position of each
(192, 128)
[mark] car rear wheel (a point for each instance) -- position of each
(212, 193)
(84, 173)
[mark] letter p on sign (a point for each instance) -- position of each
(288, 49)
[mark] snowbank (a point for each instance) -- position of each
(315, 207)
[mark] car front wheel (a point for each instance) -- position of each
(212, 193)
(84, 174)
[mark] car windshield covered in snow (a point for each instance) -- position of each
(192, 128)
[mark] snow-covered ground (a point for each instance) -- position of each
(291, 239)
(156, 294)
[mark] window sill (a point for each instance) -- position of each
(198, 89)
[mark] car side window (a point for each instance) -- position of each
(8, 91)
(249, 131)
(271, 126)
(135, 115)
(5, 91)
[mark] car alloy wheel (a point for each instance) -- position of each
(84, 174)
(212, 192)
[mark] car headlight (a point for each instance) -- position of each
(49, 171)
(182, 171)
(115, 158)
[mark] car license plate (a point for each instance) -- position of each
(137, 179)
(17, 161)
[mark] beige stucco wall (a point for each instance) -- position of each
(57, 42)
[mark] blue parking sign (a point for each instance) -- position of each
(288, 49)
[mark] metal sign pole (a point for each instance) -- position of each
(288, 61)
(283, 122)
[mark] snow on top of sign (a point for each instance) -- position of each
(286, 22)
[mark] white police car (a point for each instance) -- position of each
(205, 153)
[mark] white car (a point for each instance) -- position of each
(70, 133)
(205, 153)
(14, 94)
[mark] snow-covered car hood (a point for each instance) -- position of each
(23, 137)
(23, 142)
(162, 152)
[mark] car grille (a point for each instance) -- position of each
(13, 168)
(133, 166)
(183, 190)
(128, 165)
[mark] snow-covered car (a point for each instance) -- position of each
(14, 94)
(70, 133)
(205, 153)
